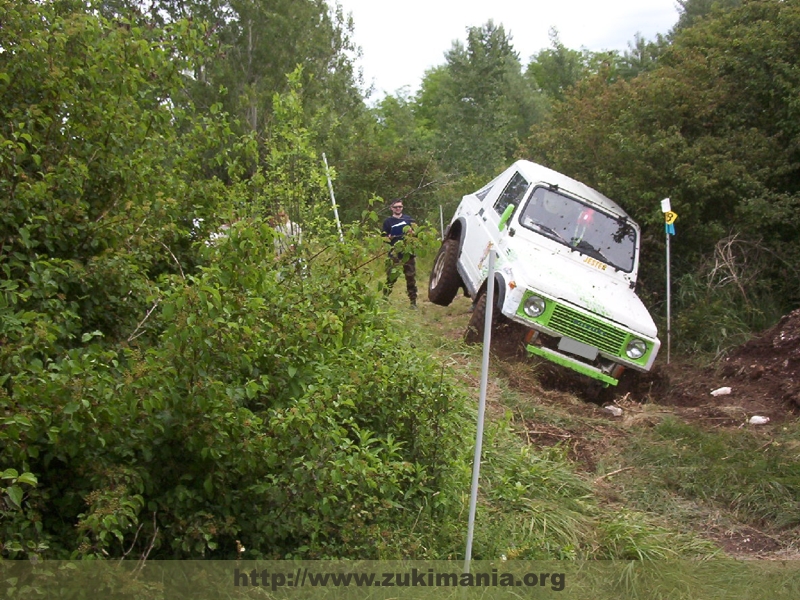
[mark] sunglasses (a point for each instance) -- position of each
(397, 206)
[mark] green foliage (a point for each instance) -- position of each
(642, 55)
(275, 409)
(556, 69)
(257, 42)
(15, 510)
(169, 393)
(97, 150)
(713, 126)
(691, 11)
(479, 104)
(720, 305)
(291, 171)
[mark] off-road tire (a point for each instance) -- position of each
(474, 333)
(445, 281)
(508, 337)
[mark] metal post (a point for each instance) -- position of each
(476, 461)
(669, 229)
(669, 302)
(333, 198)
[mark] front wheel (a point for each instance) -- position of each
(477, 320)
(508, 337)
(445, 280)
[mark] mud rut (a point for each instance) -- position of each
(764, 380)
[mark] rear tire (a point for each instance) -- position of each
(445, 281)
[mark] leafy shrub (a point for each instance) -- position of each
(171, 397)
(727, 297)
(278, 408)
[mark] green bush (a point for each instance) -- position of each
(279, 408)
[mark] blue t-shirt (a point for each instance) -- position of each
(394, 227)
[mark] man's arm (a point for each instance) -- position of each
(386, 231)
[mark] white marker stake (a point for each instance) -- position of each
(333, 198)
(665, 208)
(476, 461)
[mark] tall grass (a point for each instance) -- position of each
(535, 503)
(734, 471)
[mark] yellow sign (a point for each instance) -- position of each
(670, 217)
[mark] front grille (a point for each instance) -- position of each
(585, 329)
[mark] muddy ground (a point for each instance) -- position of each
(763, 376)
(764, 380)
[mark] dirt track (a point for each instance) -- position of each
(763, 376)
(764, 380)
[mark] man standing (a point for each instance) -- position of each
(287, 233)
(395, 228)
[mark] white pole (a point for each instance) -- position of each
(476, 461)
(333, 198)
(669, 301)
(441, 220)
(669, 217)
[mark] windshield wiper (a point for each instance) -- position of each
(585, 247)
(552, 232)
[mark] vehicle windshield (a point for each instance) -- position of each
(581, 227)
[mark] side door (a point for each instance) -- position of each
(483, 229)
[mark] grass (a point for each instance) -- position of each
(537, 502)
(561, 480)
(731, 471)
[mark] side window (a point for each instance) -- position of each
(513, 193)
(483, 193)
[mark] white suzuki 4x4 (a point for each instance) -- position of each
(566, 270)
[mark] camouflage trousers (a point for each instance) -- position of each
(409, 263)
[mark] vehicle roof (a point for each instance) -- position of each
(536, 173)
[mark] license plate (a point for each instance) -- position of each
(577, 348)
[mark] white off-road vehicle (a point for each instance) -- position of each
(567, 259)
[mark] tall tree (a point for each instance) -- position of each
(691, 11)
(258, 43)
(264, 40)
(556, 69)
(479, 104)
(714, 126)
(642, 55)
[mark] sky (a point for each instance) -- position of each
(401, 39)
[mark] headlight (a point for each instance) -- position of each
(534, 306)
(636, 349)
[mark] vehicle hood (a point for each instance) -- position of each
(564, 276)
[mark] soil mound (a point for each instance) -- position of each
(769, 365)
(763, 376)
